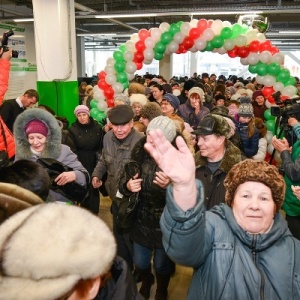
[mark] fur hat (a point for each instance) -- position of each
(165, 124)
(220, 110)
(260, 171)
(123, 98)
(238, 85)
(213, 124)
(120, 115)
(220, 88)
(81, 109)
(138, 98)
(219, 97)
(48, 248)
(246, 108)
(189, 84)
(36, 126)
(14, 199)
(172, 99)
(198, 91)
(256, 94)
(151, 110)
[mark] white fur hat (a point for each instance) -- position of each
(138, 98)
(46, 249)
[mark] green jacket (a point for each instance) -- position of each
(228, 262)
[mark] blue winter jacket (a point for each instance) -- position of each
(228, 262)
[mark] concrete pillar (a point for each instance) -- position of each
(193, 63)
(166, 67)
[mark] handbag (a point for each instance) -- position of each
(128, 208)
(72, 190)
(4, 159)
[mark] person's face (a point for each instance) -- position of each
(260, 100)
(122, 131)
(253, 207)
(175, 87)
(195, 100)
(37, 141)
(137, 108)
(157, 94)
(83, 118)
(144, 120)
(167, 108)
(28, 101)
(220, 102)
(244, 119)
(209, 145)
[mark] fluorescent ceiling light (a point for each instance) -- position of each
(289, 32)
(24, 20)
(104, 34)
(126, 16)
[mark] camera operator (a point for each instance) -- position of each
(291, 166)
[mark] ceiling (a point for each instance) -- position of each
(117, 21)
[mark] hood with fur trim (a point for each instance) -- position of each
(53, 143)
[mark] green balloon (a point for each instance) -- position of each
(290, 81)
(100, 116)
(93, 103)
(273, 69)
(209, 46)
(173, 29)
(118, 55)
(125, 84)
(253, 69)
(94, 112)
(262, 69)
(268, 116)
(122, 48)
(226, 33)
(120, 66)
(158, 56)
(166, 38)
(283, 76)
(218, 41)
(236, 30)
(270, 124)
(122, 77)
(160, 47)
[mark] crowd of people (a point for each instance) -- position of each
(208, 197)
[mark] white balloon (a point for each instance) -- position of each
(265, 57)
(118, 88)
(269, 136)
(130, 76)
(278, 58)
(217, 26)
(185, 28)
(173, 47)
(148, 54)
(178, 37)
(244, 61)
(268, 104)
(194, 23)
(229, 44)
(253, 58)
(278, 86)
(269, 80)
(147, 62)
(102, 105)
(200, 44)
(128, 55)
(289, 90)
(164, 26)
(208, 34)
(270, 149)
(130, 67)
(251, 35)
(260, 37)
(240, 40)
(259, 79)
(155, 34)
(130, 46)
(193, 49)
(149, 42)
(98, 94)
(110, 79)
(110, 61)
(134, 38)
(110, 70)
(226, 24)
(222, 50)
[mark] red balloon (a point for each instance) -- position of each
(267, 91)
(102, 84)
(188, 43)
(265, 46)
(139, 65)
(274, 50)
(138, 57)
(102, 75)
(143, 34)
(283, 98)
(110, 102)
(194, 33)
(271, 99)
(233, 53)
(243, 51)
(181, 49)
(210, 22)
(254, 46)
(109, 92)
(202, 25)
(140, 46)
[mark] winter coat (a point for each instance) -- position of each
(87, 139)
(115, 154)
(121, 285)
(9, 111)
(187, 113)
(250, 143)
(146, 230)
(291, 167)
(228, 262)
(4, 77)
(262, 149)
(259, 110)
(53, 149)
(214, 190)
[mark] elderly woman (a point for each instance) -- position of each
(38, 135)
(239, 250)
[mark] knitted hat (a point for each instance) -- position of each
(47, 249)
(213, 124)
(36, 126)
(259, 171)
(172, 99)
(151, 110)
(256, 94)
(138, 98)
(246, 108)
(165, 124)
(81, 109)
(198, 91)
(120, 115)
(123, 98)
(14, 199)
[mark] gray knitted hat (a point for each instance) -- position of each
(165, 124)
(151, 110)
(246, 108)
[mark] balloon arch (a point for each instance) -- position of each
(237, 40)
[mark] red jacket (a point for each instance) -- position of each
(4, 77)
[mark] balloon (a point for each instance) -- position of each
(241, 40)
(122, 48)
(270, 124)
(173, 47)
(273, 68)
(110, 102)
(178, 37)
(119, 66)
(93, 103)
(111, 79)
(140, 46)
(209, 46)
(229, 44)
(149, 54)
(118, 88)
(226, 33)
(101, 75)
(217, 26)
(208, 34)
(139, 65)
(202, 25)
(109, 92)
(193, 23)
(253, 58)
(269, 135)
(121, 77)
(185, 28)
(102, 105)
(130, 67)
(268, 104)
(93, 112)
(138, 57)
(174, 29)
(166, 38)
(269, 80)
(128, 55)
(236, 30)
(267, 91)
(130, 76)
(232, 53)
(134, 38)
(266, 45)
(270, 147)
(243, 51)
(100, 116)
(222, 50)
(164, 26)
(254, 46)
(110, 61)
(118, 55)
(217, 41)
(158, 56)
(200, 44)
(244, 61)
(188, 43)
(98, 93)
(261, 69)
(278, 58)
(283, 75)
(289, 91)
(251, 35)
(102, 84)
(265, 57)
(290, 81)
(110, 69)
(278, 86)
(267, 115)
(143, 34)
(194, 33)
(149, 43)
(160, 48)
(155, 34)
(259, 79)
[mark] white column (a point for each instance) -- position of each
(193, 63)
(165, 67)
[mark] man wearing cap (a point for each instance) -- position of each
(215, 158)
(169, 104)
(116, 152)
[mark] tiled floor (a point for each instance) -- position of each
(179, 282)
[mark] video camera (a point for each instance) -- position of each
(4, 42)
